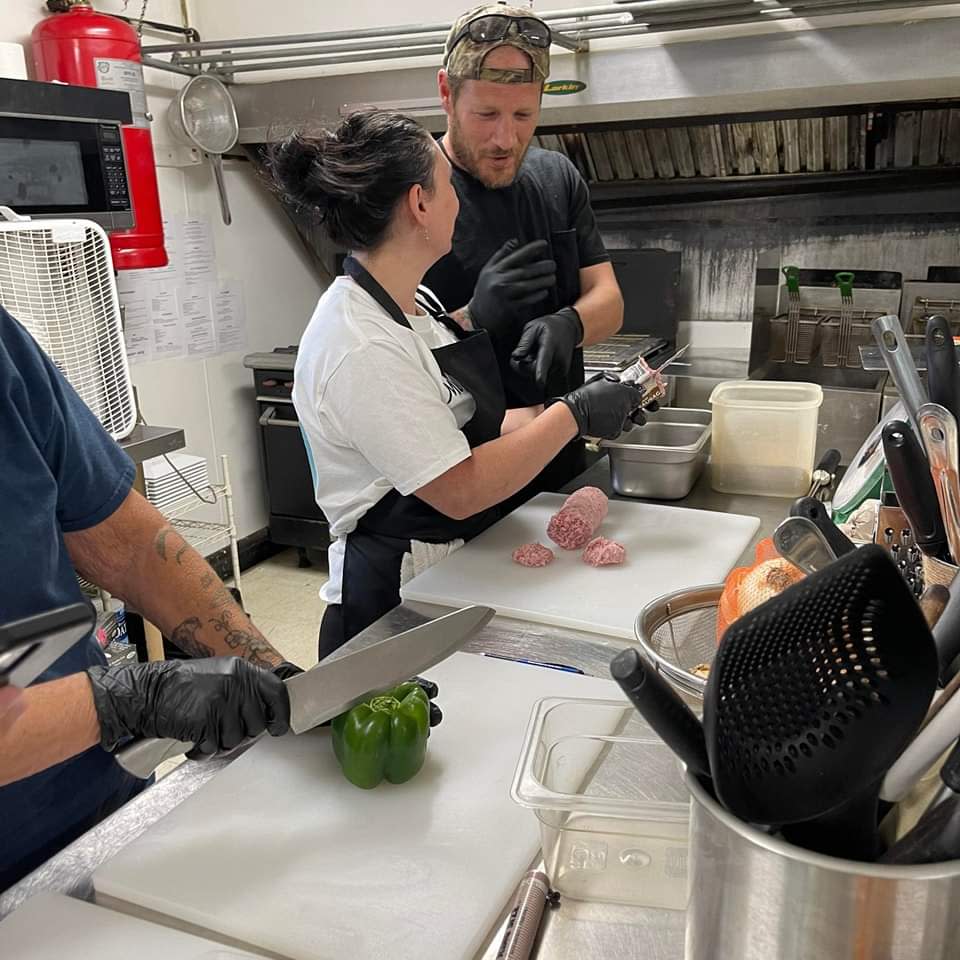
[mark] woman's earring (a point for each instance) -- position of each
(426, 235)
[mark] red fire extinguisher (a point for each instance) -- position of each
(80, 46)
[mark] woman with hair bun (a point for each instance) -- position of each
(410, 442)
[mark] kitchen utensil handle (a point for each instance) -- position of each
(933, 602)
(216, 161)
(829, 462)
(922, 752)
(792, 275)
(938, 430)
(815, 511)
(896, 354)
(141, 757)
(845, 282)
(934, 839)
(946, 635)
(942, 373)
(914, 485)
(660, 705)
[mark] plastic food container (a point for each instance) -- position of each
(664, 459)
(611, 802)
(764, 437)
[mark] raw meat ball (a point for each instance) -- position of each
(578, 519)
(601, 552)
(533, 555)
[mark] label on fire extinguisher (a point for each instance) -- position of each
(127, 76)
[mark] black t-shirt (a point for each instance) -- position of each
(548, 200)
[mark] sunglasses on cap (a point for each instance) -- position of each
(494, 27)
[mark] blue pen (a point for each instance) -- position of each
(537, 663)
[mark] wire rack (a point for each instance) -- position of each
(201, 533)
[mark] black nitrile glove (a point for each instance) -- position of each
(431, 690)
(604, 407)
(214, 703)
(285, 670)
(511, 281)
(546, 346)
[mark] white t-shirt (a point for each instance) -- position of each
(374, 408)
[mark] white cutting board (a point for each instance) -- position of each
(51, 927)
(668, 548)
(281, 853)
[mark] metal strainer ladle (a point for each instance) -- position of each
(203, 116)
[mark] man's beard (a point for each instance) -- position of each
(471, 160)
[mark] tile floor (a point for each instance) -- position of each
(283, 601)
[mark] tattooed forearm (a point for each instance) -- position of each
(185, 637)
(160, 542)
(243, 643)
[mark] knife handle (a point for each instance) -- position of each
(914, 485)
(141, 757)
(814, 510)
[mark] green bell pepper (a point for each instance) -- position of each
(384, 737)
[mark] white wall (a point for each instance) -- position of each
(212, 399)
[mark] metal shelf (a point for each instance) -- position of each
(206, 532)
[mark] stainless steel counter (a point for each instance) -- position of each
(575, 930)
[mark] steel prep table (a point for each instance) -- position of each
(576, 929)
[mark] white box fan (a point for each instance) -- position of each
(56, 278)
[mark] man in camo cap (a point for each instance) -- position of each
(528, 263)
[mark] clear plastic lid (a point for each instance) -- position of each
(598, 756)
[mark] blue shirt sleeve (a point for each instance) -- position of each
(93, 475)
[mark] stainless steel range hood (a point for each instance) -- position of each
(884, 63)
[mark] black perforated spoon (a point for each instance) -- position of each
(811, 698)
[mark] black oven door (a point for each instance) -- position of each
(289, 482)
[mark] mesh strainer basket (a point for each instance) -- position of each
(678, 633)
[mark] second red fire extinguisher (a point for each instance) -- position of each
(90, 49)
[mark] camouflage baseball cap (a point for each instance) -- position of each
(464, 56)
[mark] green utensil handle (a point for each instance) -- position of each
(845, 283)
(793, 278)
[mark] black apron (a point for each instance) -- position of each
(375, 549)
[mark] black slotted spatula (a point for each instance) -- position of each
(811, 698)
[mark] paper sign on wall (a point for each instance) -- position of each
(183, 309)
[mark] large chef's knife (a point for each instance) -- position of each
(332, 687)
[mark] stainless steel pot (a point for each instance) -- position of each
(755, 897)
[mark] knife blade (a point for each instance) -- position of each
(30, 645)
(334, 686)
(913, 483)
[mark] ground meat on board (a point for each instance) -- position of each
(601, 552)
(576, 522)
(533, 555)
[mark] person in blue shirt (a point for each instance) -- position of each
(67, 507)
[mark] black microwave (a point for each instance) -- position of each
(61, 152)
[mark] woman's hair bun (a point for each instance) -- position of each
(352, 178)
